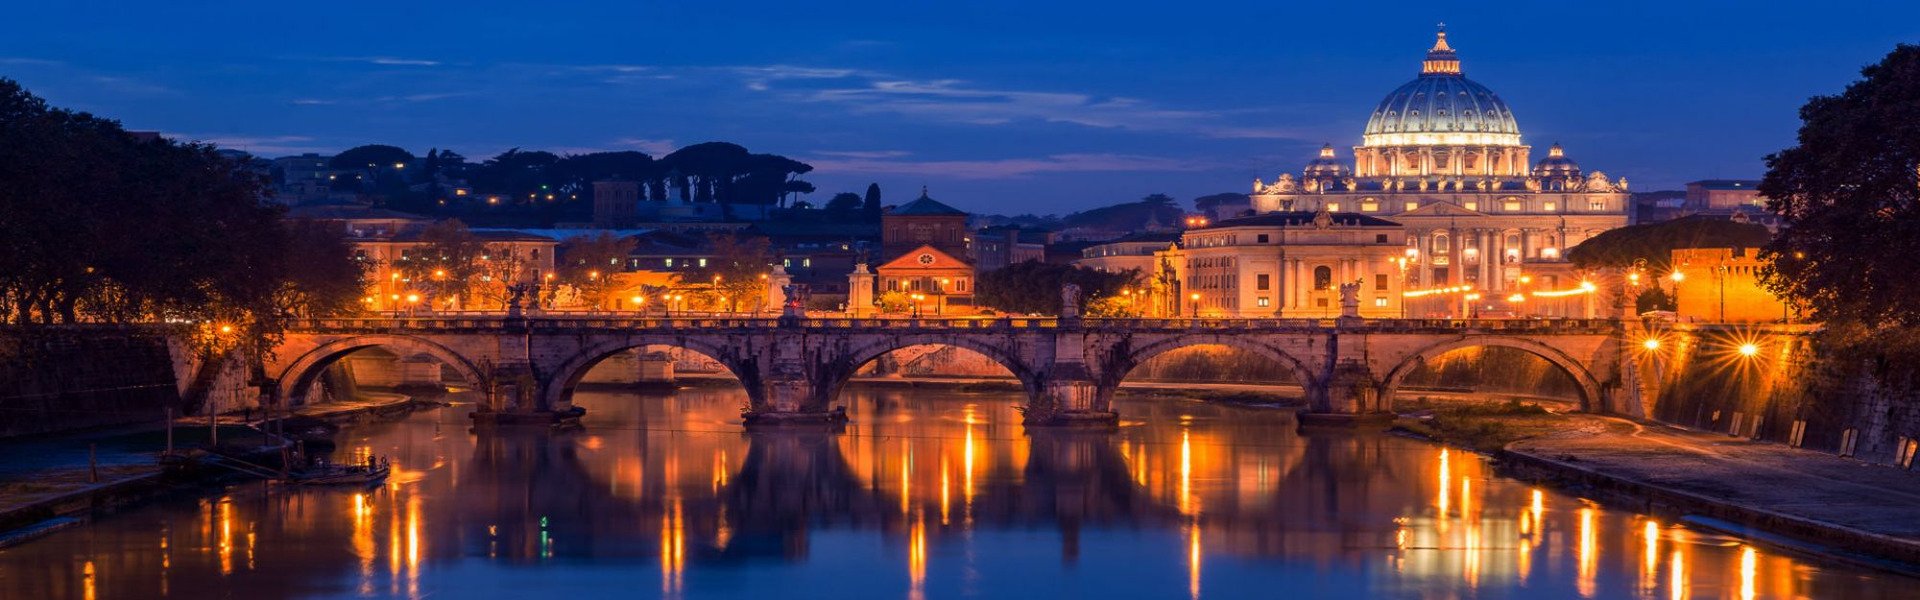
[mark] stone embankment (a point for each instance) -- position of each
(1797, 499)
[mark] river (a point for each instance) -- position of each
(926, 494)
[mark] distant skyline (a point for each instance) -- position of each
(1000, 107)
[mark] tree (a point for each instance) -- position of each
(1034, 287)
(1209, 204)
(737, 272)
(588, 263)
(105, 227)
(1849, 197)
(328, 280)
(371, 157)
(871, 207)
(1654, 243)
(843, 204)
(447, 265)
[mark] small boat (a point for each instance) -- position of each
(333, 474)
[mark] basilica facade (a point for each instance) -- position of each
(1443, 157)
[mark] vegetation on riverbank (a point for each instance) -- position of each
(1484, 427)
(1216, 395)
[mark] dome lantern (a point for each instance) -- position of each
(1441, 60)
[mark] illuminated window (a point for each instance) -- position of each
(1413, 204)
(1550, 206)
(1510, 206)
(1261, 301)
(1596, 205)
(1380, 302)
(1370, 206)
(1471, 205)
(703, 262)
(1333, 207)
(669, 263)
(806, 263)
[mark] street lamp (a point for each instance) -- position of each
(638, 302)
(917, 297)
(1195, 297)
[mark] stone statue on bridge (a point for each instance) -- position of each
(1069, 301)
(1350, 300)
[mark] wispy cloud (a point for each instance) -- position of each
(257, 144)
(1008, 168)
(389, 61)
(656, 148)
(956, 100)
(313, 102)
(128, 85)
(862, 153)
(24, 61)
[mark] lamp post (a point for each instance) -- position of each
(917, 297)
(1677, 277)
(1195, 297)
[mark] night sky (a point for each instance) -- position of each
(997, 106)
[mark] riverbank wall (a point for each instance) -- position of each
(1784, 384)
(55, 379)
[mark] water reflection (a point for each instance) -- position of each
(924, 495)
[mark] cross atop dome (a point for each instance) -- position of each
(1441, 60)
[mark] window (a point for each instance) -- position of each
(1369, 206)
(1472, 205)
(1440, 244)
(1380, 238)
(1510, 206)
(1413, 204)
(786, 262)
(1380, 302)
(1596, 205)
(1262, 238)
(1261, 302)
(806, 263)
(1333, 207)
(1550, 206)
(669, 263)
(1380, 282)
(1260, 282)
(1322, 277)
(703, 262)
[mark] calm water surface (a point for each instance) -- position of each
(926, 495)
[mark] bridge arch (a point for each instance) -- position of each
(297, 379)
(1590, 398)
(567, 376)
(1126, 358)
(1006, 354)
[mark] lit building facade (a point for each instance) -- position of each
(1288, 265)
(1443, 157)
(924, 248)
(1722, 285)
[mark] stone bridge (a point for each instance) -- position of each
(793, 368)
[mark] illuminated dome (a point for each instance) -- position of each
(1325, 166)
(1556, 164)
(1442, 108)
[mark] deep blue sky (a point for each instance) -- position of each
(998, 106)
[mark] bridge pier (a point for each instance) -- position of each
(1351, 397)
(789, 397)
(1068, 396)
(513, 395)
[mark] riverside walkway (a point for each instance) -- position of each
(1834, 505)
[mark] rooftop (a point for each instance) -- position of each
(1302, 219)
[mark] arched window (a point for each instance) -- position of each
(1322, 277)
(1440, 243)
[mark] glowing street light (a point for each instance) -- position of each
(1749, 349)
(1195, 297)
(1651, 344)
(1677, 276)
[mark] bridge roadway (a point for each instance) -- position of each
(793, 368)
